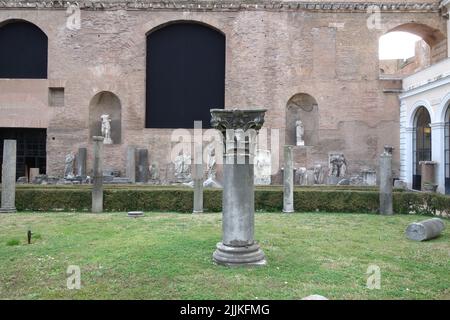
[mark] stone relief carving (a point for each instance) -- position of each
(263, 167)
(337, 165)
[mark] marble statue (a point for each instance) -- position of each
(183, 167)
(302, 174)
(106, 129)
(68, 167)
(154, 172)
(211, 161)
(299, 131)
(211, 181)
(318, 174)
(262, 167)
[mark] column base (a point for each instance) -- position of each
(197, 211)
(288, 211)
(239, 256)
(8, 210)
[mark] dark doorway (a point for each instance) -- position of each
(31, 148)
(421, 144)
(185, 75)
(23, 53)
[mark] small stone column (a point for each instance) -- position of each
(288, 180)
(97, 188)
(131, 164)
(81, 162)
(386, 181)
(198, 170)
(239, 129)
(428, 169)
(8, 204)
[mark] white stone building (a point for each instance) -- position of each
(425, 123)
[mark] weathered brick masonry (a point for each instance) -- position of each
(274, 50)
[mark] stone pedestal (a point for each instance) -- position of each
(97, 188)
(81, 162)
(131, 164)
(239, 128)
(386, 181)
(8, 204)
(142, 174)
(428, 181)
(288, 180)
(34, 172)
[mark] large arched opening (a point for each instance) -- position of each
(421, 144)
(24, 51)
(447, 150)
(185, 74)
(409, 48)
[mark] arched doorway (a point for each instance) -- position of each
(23, 53)
(447, 150)
(185, 75)
(303, 107)
(421, 143)
(410, 47)
(105, 103)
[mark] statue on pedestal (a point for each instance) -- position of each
(106, 129)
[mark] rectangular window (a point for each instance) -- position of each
(56, 97)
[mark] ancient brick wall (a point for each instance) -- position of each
(272, 54)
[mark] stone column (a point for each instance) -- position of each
(81, 162)
(386, 181)
(142, 165)
(9, 177)
(198, 169)
(438, 154)
(239, 129)
(428, 169)
(425, 230)
(97, 188)
(131, 164)
(288, 180)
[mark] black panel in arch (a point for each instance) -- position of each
(185, 75)
(23, 51)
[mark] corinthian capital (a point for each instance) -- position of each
(236, 119)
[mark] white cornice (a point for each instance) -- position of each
(426, 87)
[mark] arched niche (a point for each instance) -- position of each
(185, 74)
(23, 50)
(105, 102)
(304, 107)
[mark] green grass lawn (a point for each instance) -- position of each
(168, 256)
